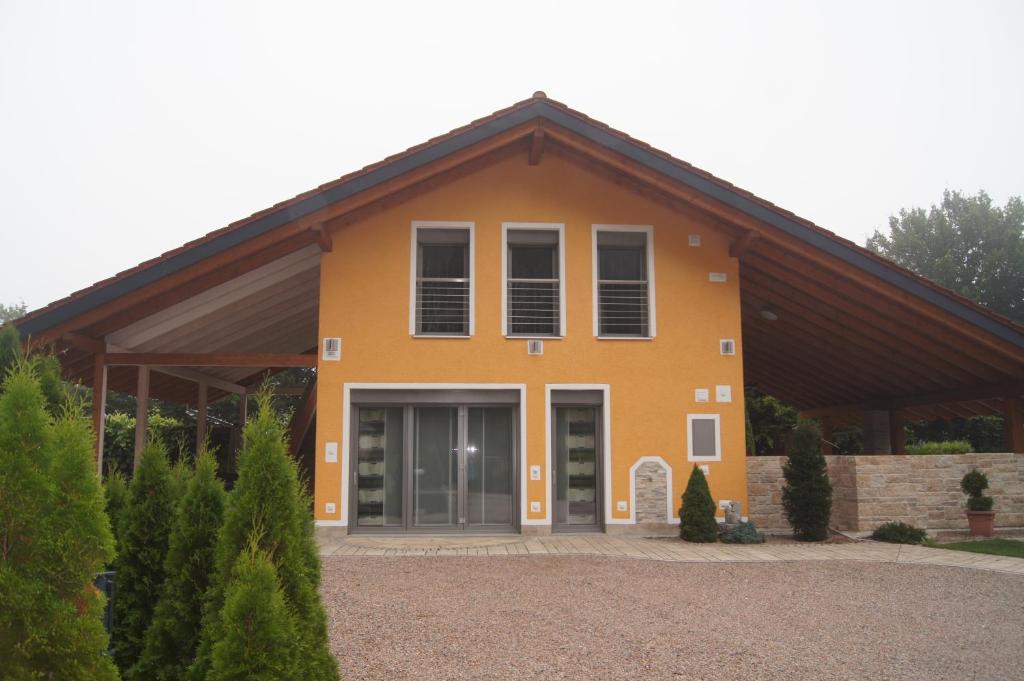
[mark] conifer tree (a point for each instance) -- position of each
(268, 498)
(170, 640)
(54, 537)
(697, 516)
(115, 489)
(259, 641)
(144, 532)
(807, 494)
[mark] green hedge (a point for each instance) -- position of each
(949, 447)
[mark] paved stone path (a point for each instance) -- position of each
(662, 549)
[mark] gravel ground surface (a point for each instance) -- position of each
(583, 617)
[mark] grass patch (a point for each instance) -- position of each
(996, 547)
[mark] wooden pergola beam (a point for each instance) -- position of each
(943, 398)
(195, 359)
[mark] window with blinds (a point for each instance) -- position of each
(623, 284)
(533, 287)
(442, 300)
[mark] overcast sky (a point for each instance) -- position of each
(129, 128)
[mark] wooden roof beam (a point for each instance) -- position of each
(536, 145)
(323, 238)
(185, 359)
(747, 242)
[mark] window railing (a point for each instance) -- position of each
(623, 308)
(442, 306)
(534, 307)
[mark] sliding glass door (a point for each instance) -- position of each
(435, 468)
(436, 465)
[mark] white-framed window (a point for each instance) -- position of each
(533, 279)
(623, 262)
(442, 286)
(703, 438)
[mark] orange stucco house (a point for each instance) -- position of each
(536, 324)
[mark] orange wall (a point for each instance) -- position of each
(364, 299)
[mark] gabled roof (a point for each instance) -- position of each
(727, 206)
(536, 107)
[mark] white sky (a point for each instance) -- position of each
(128, 128)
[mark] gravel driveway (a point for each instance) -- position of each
(582, 617)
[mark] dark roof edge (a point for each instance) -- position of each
(848, 253)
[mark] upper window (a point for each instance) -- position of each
(442, 294)
(533, 300)
(624, 273)
(704, 440)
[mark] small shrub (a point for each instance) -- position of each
(744, 533)
(974, 483)
(897, 532)
(947, 447)
(697, 516)
(807, 494)
(981, 503)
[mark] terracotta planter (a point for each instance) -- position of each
(981, 523)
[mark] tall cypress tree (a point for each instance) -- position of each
(115, 489)
(144, 533)
(171, 638)
(259, 640)
(268, 499)
(54, 537)
(807, 494)
(697, 516)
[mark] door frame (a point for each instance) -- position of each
(606, 439)
(599, 466)
(349, 445)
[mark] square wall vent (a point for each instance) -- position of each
(728, 346)
(535, 347)
(332, 349)
(694, 240)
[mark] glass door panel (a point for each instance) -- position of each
(435, 467)
(489, 465)
(576, 473)
(379, 467)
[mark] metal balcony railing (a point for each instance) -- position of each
(442, 306)
(623, 308)
(534, 307)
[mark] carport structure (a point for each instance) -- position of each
(828, 326)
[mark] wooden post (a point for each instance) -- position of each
(243, 410)
(1013, 423)
(201, 417)
(99, 406)
(826, 435)
(897, 432)
(141, 414)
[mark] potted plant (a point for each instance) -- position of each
(980, 516)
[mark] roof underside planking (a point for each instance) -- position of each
(827, 326)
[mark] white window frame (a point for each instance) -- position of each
(442, 224)
(532, 226)
(652, 324)
(690, 418)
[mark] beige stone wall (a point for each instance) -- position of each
(651, 490)
(870, 490)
